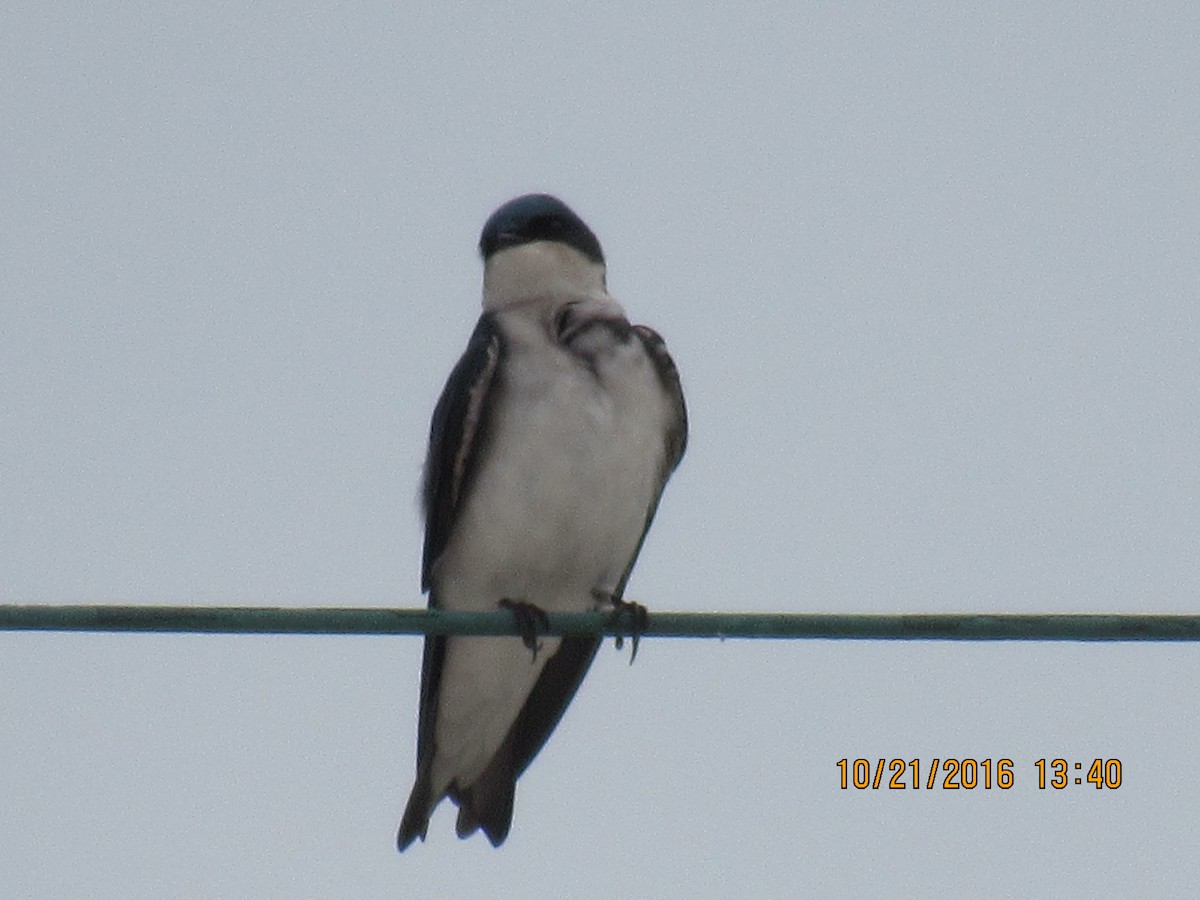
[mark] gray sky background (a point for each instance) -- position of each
(931, 276)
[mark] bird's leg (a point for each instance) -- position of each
(639, 618)
(530, 620)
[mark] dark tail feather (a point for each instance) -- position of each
(416, 815)
(489, 807)
(488, 803)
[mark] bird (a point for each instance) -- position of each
(549, 449)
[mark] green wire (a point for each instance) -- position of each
(340, 620)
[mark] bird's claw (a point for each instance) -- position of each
(638, 618)
(530, 619)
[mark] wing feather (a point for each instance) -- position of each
(459, 429)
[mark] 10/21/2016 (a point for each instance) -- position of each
(968, 774)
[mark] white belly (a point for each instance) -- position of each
(555, 514)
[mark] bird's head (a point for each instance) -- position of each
(535, 249)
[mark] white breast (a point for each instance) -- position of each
(555, 513)
(572, 464)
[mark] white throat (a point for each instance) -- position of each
(539, 271)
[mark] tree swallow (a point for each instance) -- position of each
(548, 452)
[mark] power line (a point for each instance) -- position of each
(368, 621)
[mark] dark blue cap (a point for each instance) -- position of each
(537, 217)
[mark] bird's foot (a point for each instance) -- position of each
(530, 620)
(636, 614)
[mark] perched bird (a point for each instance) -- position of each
(548, 452)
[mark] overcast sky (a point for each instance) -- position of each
(931, 275)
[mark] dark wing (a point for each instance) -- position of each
(675, 439)
(677, 432)
(459, 428)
